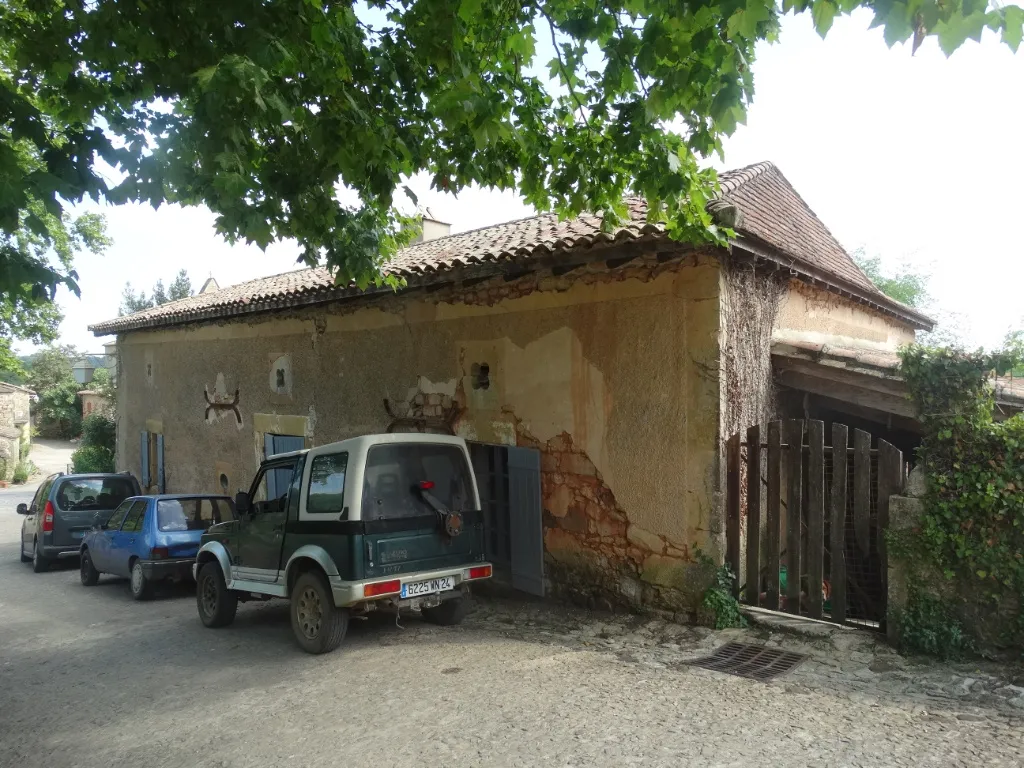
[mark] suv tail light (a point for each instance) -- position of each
(159, 553)
(48, 517)
(382, 588)
(480, 572)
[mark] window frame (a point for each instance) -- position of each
(344, 483)
(293, 463)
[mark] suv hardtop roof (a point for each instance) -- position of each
(355, 444)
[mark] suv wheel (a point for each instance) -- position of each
(448, 613)
(217, 604)
(141, 587)
(89, 573)
(318, 625)
(39, 563)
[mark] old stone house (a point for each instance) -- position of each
(614, 363)
(15, 425)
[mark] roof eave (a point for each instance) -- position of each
(816, 276)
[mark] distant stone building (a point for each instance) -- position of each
(595, 373)
(15, 425)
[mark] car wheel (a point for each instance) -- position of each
(217, 604)
(448, 613)
(319, 625)
(39, 563)
(88, 571)
(141, 587)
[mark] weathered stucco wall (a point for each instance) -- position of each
(812, 314)
(612, 375)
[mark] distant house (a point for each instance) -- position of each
(597, 375)
(15, 425)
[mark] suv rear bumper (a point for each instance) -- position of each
(54, 552)
(349, 593)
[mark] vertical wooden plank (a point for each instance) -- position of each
(890, 482)
(732, 507)
(144, 461)
(794, 510)
(862, 489)
(774, 515)
(815, 517)
(161, 488)
(840, 442)
(753, 514)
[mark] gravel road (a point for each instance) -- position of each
(90, 678)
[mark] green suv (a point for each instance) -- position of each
(376, 522)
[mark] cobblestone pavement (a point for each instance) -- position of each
(89, 677)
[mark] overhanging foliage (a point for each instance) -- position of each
(261, 110)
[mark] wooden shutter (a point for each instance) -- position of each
(527, 525)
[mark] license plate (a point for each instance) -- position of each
(417, 588)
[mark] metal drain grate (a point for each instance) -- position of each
(758, 662)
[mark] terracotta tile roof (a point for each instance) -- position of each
(772, 214)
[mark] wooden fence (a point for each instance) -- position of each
(812, 514)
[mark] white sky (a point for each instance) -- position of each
(917, 159)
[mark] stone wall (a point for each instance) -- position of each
(610, 373)
(985, 624)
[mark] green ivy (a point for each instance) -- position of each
(973, 525)
(927, 626)
(719, 608)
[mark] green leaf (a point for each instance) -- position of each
(823, 13)
(1013, 32)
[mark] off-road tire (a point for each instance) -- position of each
(318, 626)
(39, 563)
(216, 603)
(448, 613)
(140, 587)
(90, 576)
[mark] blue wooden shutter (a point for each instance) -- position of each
(145, 462)
(527, 525)
(160, 464)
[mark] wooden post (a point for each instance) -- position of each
(862, 490)
(773, 539)
(794, 511)
(840, 441)
(732, 508)
(753, 514)
(815, 517)
(890, 482)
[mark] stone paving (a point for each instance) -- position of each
(856, 663)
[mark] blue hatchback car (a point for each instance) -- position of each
(150, 538)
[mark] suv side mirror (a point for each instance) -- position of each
(242, 505)
(22, 509)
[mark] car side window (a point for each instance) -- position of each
(136, 517)
(118, 515)
(270, 493)
(326, 493)
(39, 500)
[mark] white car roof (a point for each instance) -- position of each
(363, 442)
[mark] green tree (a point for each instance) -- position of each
(133, 302)
(262, 111)
(159, 294)
(52, 377)
(904, 284)
(103, 383)
(181, 286)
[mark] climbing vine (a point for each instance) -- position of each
(973, 525)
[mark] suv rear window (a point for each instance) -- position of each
(393, 474)
(192, 514)
(93, 493)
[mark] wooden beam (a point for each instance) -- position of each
(774, 513)
(794, 511)
(867, 398)
(837, 525)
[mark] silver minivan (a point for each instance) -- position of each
(63, 509)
